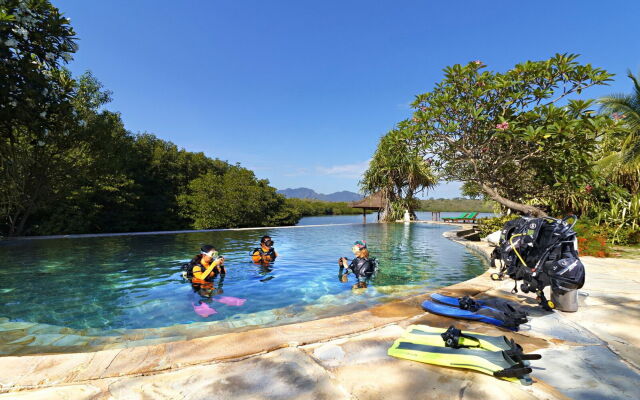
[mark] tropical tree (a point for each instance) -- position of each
(37, 119)
(621, 148)
(516, 136)
(399, 172)
(235, 199)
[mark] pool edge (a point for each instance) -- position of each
(45, 370)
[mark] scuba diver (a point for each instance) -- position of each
(203, 269)
(363, 266)
(264, 254)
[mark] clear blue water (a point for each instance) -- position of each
(357, 219)
(102, 284)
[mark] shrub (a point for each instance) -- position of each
(487, 226)
(593, 239)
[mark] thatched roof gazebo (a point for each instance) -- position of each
(373, 202)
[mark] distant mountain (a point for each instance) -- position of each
(306, 193)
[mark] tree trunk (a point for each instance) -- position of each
(522, 208)
(23, 220)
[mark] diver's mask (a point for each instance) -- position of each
(213, 254)
(359, 245)
(268, 243)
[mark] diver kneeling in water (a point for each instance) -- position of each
(203, 269)
(363, 266)
(265, 253)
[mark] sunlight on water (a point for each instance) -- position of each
(106, 286)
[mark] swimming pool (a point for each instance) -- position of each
(83, 294)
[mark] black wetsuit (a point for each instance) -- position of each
(363, 268)
(269, 255)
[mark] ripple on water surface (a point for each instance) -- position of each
(67, 294)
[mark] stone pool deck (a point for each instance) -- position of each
(591, 354)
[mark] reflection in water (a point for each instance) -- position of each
(133, 282)
(264, 271)
(210, 288)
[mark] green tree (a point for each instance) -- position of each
(399, 171)
(235, 199)
(515, 136)
(163, 172)
(621, 148)
(99, 193)
(37, 119)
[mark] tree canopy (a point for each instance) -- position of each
(399, 171)
(517, 137)
(68, 165)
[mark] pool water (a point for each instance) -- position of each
(86, 293)
(372, 218)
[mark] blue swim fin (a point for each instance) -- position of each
(486, 314)
(495, 303)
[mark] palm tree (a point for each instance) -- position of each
(399, 171)
(622, 160)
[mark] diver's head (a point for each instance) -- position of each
(209, 251)
(266, 241)
(359, 249)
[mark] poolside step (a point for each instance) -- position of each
(465, 232)
(474, 237)
(469, 234)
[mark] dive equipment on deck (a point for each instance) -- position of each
(456, 338)
(483, 314)
(468, 303)
(541, 252)
(497, 356)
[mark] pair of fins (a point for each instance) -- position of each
(497, 356)
(494, 311)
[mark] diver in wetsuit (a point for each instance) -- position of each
(203, 269)
(264, 254)
(363, 266)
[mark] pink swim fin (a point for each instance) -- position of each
(230, 301)
(203, 310)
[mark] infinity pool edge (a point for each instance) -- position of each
(43, 370)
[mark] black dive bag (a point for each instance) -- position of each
(540, 252)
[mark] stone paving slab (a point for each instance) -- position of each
(363, 367)
(73, 392)
(282, 374)
(588, 373)
(617, 325)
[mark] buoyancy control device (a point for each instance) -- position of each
(540, 252)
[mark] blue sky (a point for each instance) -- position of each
(301, 91)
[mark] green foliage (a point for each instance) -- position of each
(620, 150)
(236, 199)
(311, 207)
(515, 136)
(592, 239)
(619, 220)
(68, 166)
(487, 226)
(38, 123)
(459, 204)
(399, 171)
